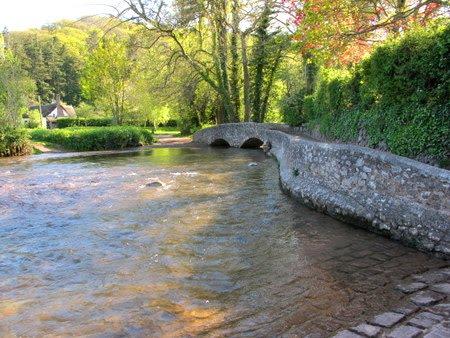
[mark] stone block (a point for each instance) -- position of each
(425, 320)
(347, 334)
(439, 331)
(407, 309)
(426, 298)
(441, 288)
(431, 277)
(441, 309)
(411, 287)
(405, 331)
(387, 319)
(367, 330)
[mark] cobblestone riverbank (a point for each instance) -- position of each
(425, 311)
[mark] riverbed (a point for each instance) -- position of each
(92, 246)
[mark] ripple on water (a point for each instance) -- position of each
(88, 250)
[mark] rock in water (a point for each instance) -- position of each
(252, 164)
(154, 184)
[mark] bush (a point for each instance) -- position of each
(83, 122)
(34, 119)
(14, 142)
(187, 125)
(292, 109)
(333, 94)
(412, 69)
(399, 95)
(95, 138)
(169, 123)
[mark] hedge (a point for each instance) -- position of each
(14, 142)
(95, 138)
(83, 122)
(400, 96)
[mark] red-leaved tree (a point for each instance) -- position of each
(343, 31)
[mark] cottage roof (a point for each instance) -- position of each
(45, 109)
(48, 108)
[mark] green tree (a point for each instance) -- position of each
(268, 51)
(49, 63)
(205, 35)
(16, 89)
(107, 78)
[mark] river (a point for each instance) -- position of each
(88, 248)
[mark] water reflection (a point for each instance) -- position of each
(87, 248)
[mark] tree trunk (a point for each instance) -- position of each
(234, 81)
(220, 115)
(222, 53)
(310, 73)
(246, 77)
(271, 77)
(260, 60)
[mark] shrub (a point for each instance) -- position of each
(399, 95)
(411, 69)
(83, 122)
(292, 109)
(333, 94)
(14, 142)
(34, 119)
(187, 125)
(169, 123)
(95, 138)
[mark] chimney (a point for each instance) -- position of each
(57, 99)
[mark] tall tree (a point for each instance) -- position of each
(260, 55)
(205, 34)
(234, 80)
(107, 78)
(219, 19)
(245, 77)
(16, 90)
(49, 64)
(268, 51)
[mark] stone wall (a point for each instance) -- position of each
(398, 197)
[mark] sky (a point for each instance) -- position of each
(24, 14)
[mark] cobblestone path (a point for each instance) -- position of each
(425, 310)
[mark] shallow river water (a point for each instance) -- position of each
(87, 248)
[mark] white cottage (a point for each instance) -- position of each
(53, 111)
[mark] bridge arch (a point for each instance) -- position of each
(252, 142)
(220, 142)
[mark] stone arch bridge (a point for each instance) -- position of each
(388, 194)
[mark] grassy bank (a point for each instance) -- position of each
(95, 138)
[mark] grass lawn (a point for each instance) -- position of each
(167, 130)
